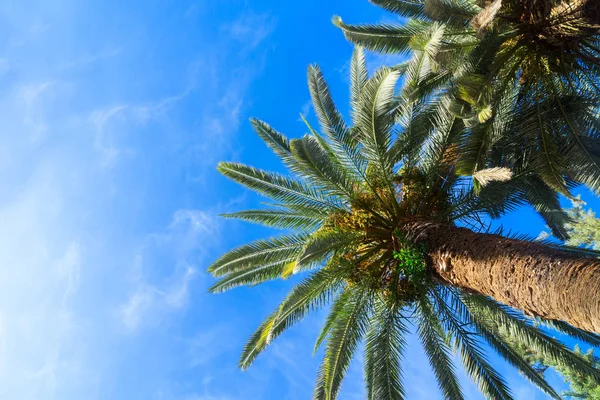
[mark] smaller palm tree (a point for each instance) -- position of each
(366, 196)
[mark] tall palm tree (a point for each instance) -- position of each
(373, 213)
(537, 60)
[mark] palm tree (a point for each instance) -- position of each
(524, 74)
(373, 215)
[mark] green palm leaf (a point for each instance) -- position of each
(502, 345)
(250, 276)
(529, 335)
(434, 343)
(258, 253)
(278, 218)
(403, 8)
(311, 294)
(375, 117)
(566, 329)
(277, 186)
(321, 168)
(274, 139)
(384, 38)
(344, 337)
(322, 244)
(472, 355)
(383, 353)
(358, 77)
(332, 123)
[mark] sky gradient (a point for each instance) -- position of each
(113, 117)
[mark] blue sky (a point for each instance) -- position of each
(113, 116)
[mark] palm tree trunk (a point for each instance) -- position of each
(537, 279)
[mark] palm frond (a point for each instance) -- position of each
(403, 8)
(331, 120)
(258, 253)
(322, 244)
(336, 309)
(277, 186)
(275, 140)
(375, 117)
(342, 147)
(547, 204)
(473, 357)
(250, 276)
(311, 294)
(346, 333)
(384, 347)
(529, 335)
(359, 76)
(382, 38)
(425, 50)
(566, 329)
(510, 354)
(475, 150)
(592, 163)
(486, 16)
(319, 166)
(434, 343)
(279, 218)
(494, 337)
(453, 12)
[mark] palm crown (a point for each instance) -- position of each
(356, 186)
(522, 74)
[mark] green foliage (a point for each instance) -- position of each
(582, 387)
(437, 350)
(523, 79)
(384, 346)
(351, 188)
(584, 228)
(411, 258)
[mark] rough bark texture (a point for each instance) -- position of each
(531, 277)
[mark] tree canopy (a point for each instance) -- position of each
(352, 186)
(524, 78)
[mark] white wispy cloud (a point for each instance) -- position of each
(4, 66)
(149, 301)
(33, 118)
(40, 278)
(112, 121)
(306, 110)
(88, 254)
(92, 58)
(205, 346)
(250, 28)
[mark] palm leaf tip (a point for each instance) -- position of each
(337, 21)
